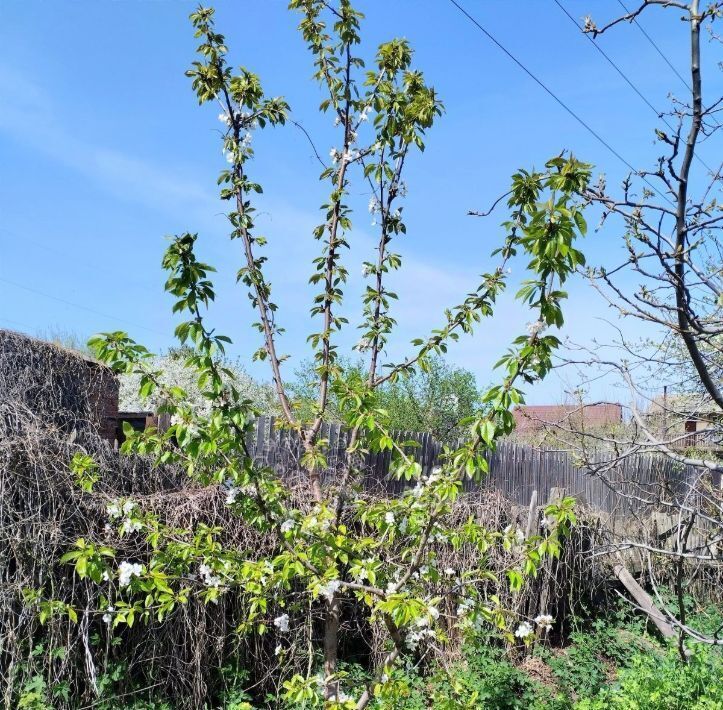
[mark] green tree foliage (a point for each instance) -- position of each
(431, 400)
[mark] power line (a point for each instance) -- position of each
(657, 49)
(659, 114)
(78, 305)
(611, 62)
(549, 91)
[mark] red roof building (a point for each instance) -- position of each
(532, 418)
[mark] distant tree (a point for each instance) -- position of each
(431, 400)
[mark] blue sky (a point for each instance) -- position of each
(105, 153)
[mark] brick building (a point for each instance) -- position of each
(533, 418)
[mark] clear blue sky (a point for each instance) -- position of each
(105, 152)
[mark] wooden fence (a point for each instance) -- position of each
(515, 469)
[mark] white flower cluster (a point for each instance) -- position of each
(174, 373)
(389, 518)
(364, 115)
(128, 570)
(464, 608)
(368, 269)
(519, 535)
(282, 623)
(124, 509)
(374, 204)
(329, 589)
(363, 344)
(108, 616)
(118, 509)
(287, 526)
(416, 635)
(130, 526)
(313, 523)
(400, 187)
(340, 697)
(426, 481)
(523, 630)
(536, 328)
(209, 578)
(545, 622)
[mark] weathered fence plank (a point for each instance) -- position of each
(515, 469)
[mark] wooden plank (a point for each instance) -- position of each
(644, 601)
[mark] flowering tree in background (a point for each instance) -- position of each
(174, 373)
(332, 540)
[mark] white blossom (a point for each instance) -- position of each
(367, 269)
(363, 344)
(107, 617)
(224, 118)
(209, 578)
(231, 495)
(130, 526)
(535, 328)
(113, 510)
(389, 518)
(450, 572)
(334, 155)
(416, 635)
(282, 623)
(523, 630)
(544, 621)
(329, 589)
(287, 525)
(465, 607)
(374, 205)
(340, 697)
(364, 115)
(279, 648)
(127, 570)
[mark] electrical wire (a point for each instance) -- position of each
(552, 94)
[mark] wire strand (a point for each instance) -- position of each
(552, 94)
(612, 63)
(78, 305)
